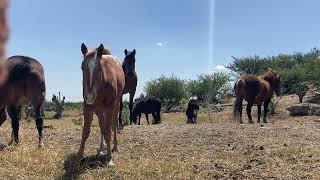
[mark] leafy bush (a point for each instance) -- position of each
(166, 88)
(211, 87)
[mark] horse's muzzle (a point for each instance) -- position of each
(90, 98)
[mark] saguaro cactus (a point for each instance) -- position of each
(59, 106)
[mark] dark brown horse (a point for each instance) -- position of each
(128, 67)
(25, 83)
(256, 90)
(103, 84)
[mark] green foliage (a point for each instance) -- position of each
(211, 87)
(125, 113)
(78, 121)
(166, 88)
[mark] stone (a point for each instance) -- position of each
(304, 109)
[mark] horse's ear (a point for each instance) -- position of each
(125, 51)
(100, 51)
(84, 49)
(134, 52)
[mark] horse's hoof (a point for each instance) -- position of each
(80, 154)
(115, 150)
(41, 146)
(110, 163)
(102, 153)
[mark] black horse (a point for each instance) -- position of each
(192, 110)
(149, 105)
(131, 80)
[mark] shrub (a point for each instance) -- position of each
(166, 88)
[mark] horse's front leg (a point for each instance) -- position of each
(131, 108)
(105, 128)
(102, 145)
(14, 113)
(88, 117)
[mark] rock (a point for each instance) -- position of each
(312, 95)
(304, 109)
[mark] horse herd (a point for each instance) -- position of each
(105, 80)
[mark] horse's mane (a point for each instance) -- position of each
(270, 74)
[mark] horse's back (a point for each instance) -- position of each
(149, 105)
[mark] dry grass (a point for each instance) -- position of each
(286, 148)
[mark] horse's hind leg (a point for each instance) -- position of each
(3, 115)
(155, 119)
(147, 117)
(14, 113)
(39, 122)
(265, 110)
(249, 107)
(114, 127)
(259, 112)
(240, 110)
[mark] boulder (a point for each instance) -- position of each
(304, 109)
(312, 95)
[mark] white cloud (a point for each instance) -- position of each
(220, 68)
(161, 44)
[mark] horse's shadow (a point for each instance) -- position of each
(74, 165)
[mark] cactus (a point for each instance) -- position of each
(59, 106)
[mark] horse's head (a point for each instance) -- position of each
(91, 71)
(129, 62)
(274, 78)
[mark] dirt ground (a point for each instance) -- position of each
(215, 148)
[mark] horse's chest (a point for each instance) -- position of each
(23, 100)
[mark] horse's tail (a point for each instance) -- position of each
(238, 89)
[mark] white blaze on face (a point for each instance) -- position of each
(91, 66)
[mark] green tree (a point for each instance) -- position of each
(211, 87)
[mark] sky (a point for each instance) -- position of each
(184, 37)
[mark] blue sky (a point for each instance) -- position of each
(186, 37)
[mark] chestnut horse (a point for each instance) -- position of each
(128, 67)
(256, 90)
(103, 84)
(25, 83)
(4, 32)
